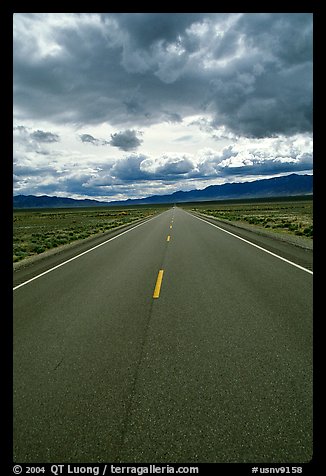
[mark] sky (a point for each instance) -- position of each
(111, 106)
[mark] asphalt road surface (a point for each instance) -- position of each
(192, 348)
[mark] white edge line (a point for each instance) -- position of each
(83, 253)
(253, 244)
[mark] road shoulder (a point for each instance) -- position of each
(294, 248)
(34, 265)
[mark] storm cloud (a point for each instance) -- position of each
(89, 138)
(125, 140)
(253, 72)
(130, 81)
(41, 136)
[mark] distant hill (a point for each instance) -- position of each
(32, 201)
(288, 185)
(274, 187)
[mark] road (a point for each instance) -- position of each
(217, 367)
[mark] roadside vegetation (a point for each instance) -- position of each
(38, 230)
(289, 215)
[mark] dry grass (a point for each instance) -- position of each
(291, 216)
(36, 231)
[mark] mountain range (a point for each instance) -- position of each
(288, 185)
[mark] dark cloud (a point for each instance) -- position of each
(32, 171)
(89, 138)
(251, 72)
(264, 105)
(20, 129)
(268, 167)
(246, 77)
(37, 142)
(23, 134)
(129, 169)
(172, 167)
(291, 34)
(140, 168)
(145, 29)
(41, 136)
(136, 173)
(125, 140)
(268, 91)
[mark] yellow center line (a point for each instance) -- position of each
(170, 226)
(168, 238)
(158, 284)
